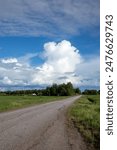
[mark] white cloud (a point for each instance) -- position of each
(9, 60)
(89, 71)
(63, 63)
(61, 54)
(61, 58)
(6, 80)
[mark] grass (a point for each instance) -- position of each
(85, 114)
(15, 102)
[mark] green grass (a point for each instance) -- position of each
(85, 114)
(14, 102)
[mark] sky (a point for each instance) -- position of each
(47, 41)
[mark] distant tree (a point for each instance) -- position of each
(90, 92)
(47, 91)
(62, 90)
(70, 89)
(54, 90)
(77, 90)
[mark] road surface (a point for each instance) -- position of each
(40, 127)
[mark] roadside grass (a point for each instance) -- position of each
(85, 115)
(15, 102)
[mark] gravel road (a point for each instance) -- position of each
(40, 127)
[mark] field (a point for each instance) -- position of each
(85, 115)
(14, 102)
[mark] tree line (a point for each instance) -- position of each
(91, 92)
(54, 90)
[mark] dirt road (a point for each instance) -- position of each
(39, 127)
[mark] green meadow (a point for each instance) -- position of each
(14, 102)
(85, 115)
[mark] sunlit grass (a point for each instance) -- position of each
(85, 114)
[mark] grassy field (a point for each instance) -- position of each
(85, 115)
(14, 102)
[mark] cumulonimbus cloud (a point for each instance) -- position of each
(62, 63)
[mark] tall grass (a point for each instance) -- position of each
(85, 114)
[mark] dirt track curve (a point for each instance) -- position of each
(40, 127)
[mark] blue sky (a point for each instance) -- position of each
(47, 41)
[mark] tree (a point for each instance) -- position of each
(62, 90)
(70, 89)
(54, 90)
(77, 91)
(90, 92)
